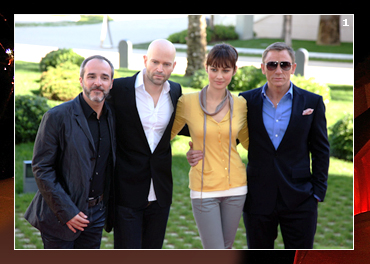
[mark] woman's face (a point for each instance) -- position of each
(219, 78)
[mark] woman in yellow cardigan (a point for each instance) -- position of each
(216, 118)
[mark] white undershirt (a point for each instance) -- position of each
(153, 119)
(226, 193)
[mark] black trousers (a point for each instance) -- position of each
(298, 226)
(140, 228)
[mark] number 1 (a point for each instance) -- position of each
(345, 23)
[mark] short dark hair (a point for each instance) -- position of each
(279, 46)
(222, 56)
(99, 57)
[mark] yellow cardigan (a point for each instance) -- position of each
(216, 162)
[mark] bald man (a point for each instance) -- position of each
(145, 107)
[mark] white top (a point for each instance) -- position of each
(226, 193)
(153, 119)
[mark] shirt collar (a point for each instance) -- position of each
(140, 82)
(290, 91)
(87, 110)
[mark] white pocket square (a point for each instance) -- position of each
(308, 111)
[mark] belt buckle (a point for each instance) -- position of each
(94, 201)
(91, 202)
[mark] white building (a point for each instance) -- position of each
(304, 27)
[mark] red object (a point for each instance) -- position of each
(360, 255)
(362, 180)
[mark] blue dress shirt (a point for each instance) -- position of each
(276, 120)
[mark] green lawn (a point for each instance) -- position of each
(335, 223)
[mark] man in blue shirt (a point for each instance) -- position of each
(288, 156)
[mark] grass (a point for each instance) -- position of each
(335, 222)
(334, 229)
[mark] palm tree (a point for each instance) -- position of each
(196, 42)
(287, 30)
(329, 33)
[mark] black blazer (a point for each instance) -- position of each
(136, 165)
(286, 169)
(63, 163)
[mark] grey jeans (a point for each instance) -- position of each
(218, 219)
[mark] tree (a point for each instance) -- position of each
(329, 33)
(196, 42)
(287, 30)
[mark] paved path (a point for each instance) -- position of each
(33, 43)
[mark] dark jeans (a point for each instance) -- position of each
(140, 228)
(90, 238)
(298, 226)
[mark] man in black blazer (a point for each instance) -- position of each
(288, 156)
(73, 161)
(145, 107)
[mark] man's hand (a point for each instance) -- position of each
(78, 222)
(193, 156)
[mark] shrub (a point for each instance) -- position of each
(28, 114)
(61, 83)
(179, 37)
(219, 32)
(341, 138)
(247, 78)
(312, 86)
(199, 79)
(56, 57)
(224, 33)
(250, 77)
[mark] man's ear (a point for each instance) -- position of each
(145, 60)
(263, 69)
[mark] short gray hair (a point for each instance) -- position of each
(279, 46)
(99, 57)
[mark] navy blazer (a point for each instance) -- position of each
(136, 164)
(288, 168)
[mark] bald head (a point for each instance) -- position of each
(159, 61)
(162, 46)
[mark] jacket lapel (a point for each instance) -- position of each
(131, 107)
(81, 120)
(258, 115)
(112, 129)
(130, 100)
(175, 94)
